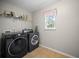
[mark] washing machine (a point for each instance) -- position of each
(33, 41)
(14, 45)
(0, 47)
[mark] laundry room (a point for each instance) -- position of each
(39, 28)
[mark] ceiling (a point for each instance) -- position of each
(32, 5)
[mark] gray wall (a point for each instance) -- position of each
(66, 36)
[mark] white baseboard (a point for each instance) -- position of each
(70, 56)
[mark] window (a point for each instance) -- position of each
(50, 19)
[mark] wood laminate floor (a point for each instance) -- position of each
(41, 52)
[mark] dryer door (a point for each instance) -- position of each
(34, 39)
(17, 46)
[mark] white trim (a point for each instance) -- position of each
(70, 56)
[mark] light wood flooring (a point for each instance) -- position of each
(41, 52)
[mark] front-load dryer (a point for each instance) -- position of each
(33, 41)
(14, 45)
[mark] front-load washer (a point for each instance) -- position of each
(14, 45)
(0, 47)
(33, 41)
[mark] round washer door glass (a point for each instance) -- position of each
(34, 40)
(17, 46)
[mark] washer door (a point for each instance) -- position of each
(17, 46)
(34, 40)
